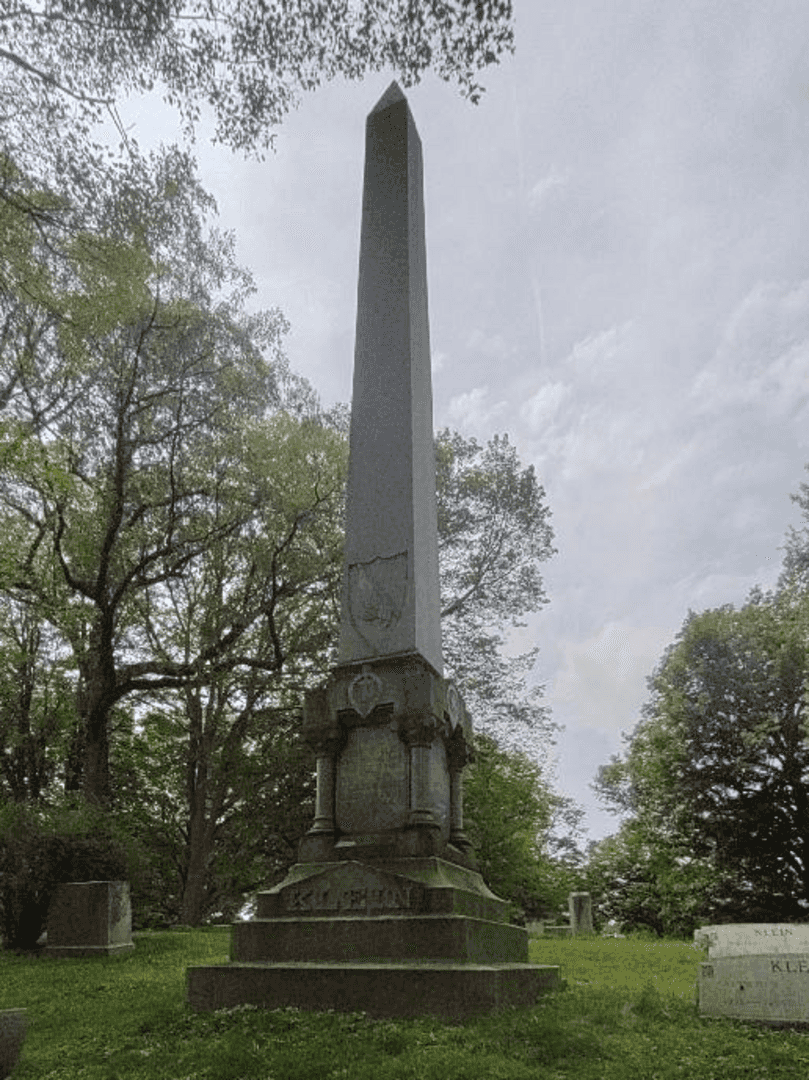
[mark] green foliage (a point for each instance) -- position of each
(67, 64)
(716, 777)
(508, 809)
(40, 847)
(494, 531)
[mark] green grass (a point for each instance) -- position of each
(627, 1012)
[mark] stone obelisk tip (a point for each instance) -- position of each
(392, 96)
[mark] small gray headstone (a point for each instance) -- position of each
(87, 918)
(12, 1035)
(580, 907)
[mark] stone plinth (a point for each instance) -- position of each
(12, 1035)
(90, 918)
(398, 938)
(391, 738)
(451, 991)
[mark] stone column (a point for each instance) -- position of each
(418, 731)
(458, 756)
(324, 797)
(324, 735)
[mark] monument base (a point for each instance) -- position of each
(405, 937)
(451, 991)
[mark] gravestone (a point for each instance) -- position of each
(12, 1036)
(755, 971)
(90, 918)
(385, 911)
(580, 908)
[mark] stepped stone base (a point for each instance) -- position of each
(451, 991)
(402, 938)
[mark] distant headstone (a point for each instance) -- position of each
(580, 908)
(90, 918)
(755, 971)
(385, 911)
(12, 1035)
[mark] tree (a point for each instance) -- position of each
(267, 594)
(494, 531)
(649, 879)
(717, 771)
(36, 704)
(508, 813)
(125, 407)
(65, 64)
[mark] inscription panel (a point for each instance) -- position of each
(360, 900)
(769, 988)
(753, 939)
(372, 782)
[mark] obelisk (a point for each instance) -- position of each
(391, 599)
(385, 910)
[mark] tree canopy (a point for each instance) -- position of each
(65, 65)
(716, 777)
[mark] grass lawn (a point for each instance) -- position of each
(627, 1011)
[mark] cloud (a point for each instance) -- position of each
(542, 190)
(474, 412)
(762, 360)
(602, 678)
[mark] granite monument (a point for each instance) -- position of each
(385, 910)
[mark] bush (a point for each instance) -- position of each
(41, 847)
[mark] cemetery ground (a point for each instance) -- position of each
(627, 1010)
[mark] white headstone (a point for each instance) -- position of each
(753, 939)
(755, 971)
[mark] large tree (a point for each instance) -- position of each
(717, 771)
(129, 378)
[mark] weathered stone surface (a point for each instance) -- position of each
(373, 793)
(411, 887)
(753, 939)
(580, 908)
(420, 938)
(390, 591)
(12, 1035)
(451, 991)
(86, 918)
(772, 989)
(388, 735)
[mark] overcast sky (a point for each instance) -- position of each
(618, 259)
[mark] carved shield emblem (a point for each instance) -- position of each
(377, 591)
(365, 692)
